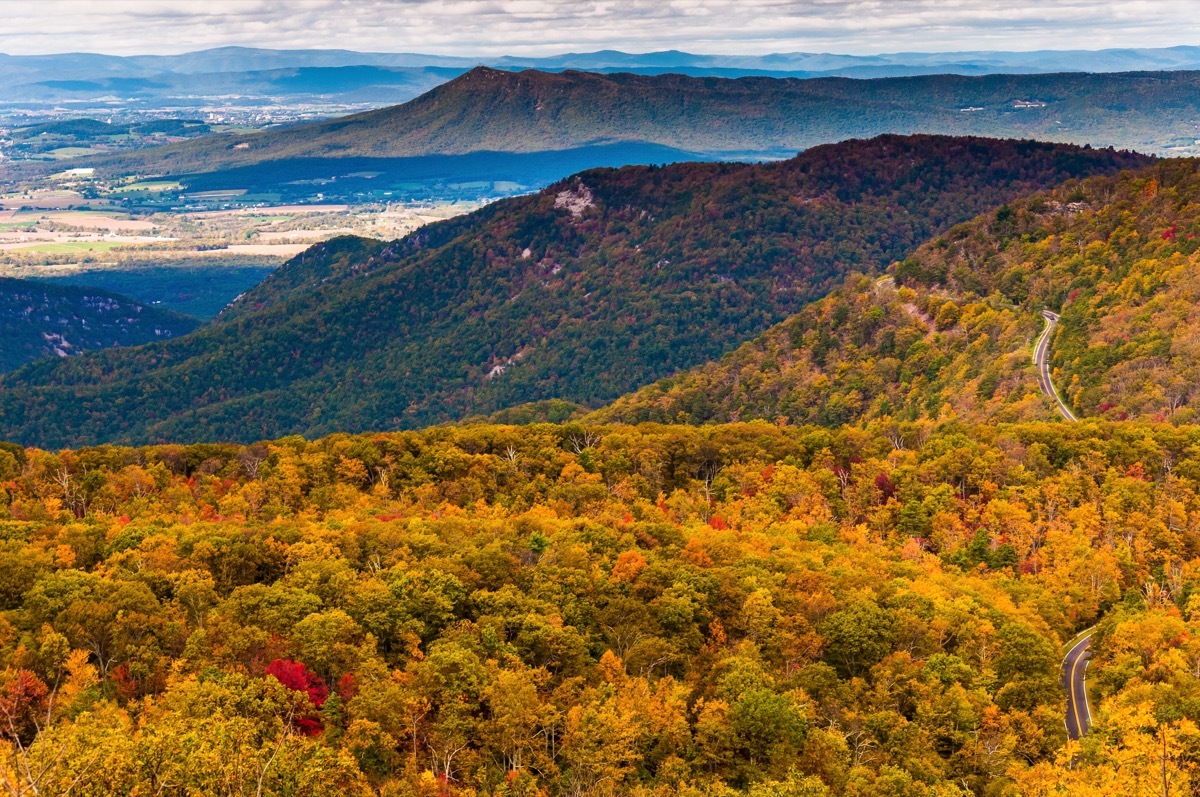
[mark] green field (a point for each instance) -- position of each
(63, 153)
(70, 247)
(150, 186)
(224, 194)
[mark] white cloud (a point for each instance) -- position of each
(536, 27)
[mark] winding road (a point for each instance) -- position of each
(1074, 672)
(1041, 356)
(1075, 664)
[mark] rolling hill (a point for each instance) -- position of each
(490, 110)
(600, 284)
(40, 320)
(949, 335)
(493, 132)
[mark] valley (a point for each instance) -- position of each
(489, 132)
(191, 261)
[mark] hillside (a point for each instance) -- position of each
(1117, 257)
(730, 611)
(40, 320)
(582, 292)
(494, 110)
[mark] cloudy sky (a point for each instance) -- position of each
(536, 27)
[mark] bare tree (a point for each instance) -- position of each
(578, 443)
(510, 455)
(73, 496)
(251, 459)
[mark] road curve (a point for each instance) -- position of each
(1074, 672)
(1041, 356)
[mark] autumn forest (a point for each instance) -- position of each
(868, 471)
(568, 609)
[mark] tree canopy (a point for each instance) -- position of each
(746, 609)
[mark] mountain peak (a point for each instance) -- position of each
(493, 110)
(480, 72)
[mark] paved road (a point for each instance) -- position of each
(1041, 357)
(1074, 666)
(1074, 671)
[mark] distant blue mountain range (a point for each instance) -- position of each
(367, 79)
(243, 59)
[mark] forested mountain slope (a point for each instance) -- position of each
(494, 110)
(729, 611)
(40, 320)
(1117, 256)
(582, 292)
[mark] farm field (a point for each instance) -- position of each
(150, 185)
(191, 262)
(66, 247)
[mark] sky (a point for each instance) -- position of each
(543, 27)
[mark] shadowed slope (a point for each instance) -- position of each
(41, 320)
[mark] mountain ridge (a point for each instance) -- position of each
(1117, 257)
(251, 58)
(39, 319)
(582, 292)
(523, 112)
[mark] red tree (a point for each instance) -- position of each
(298, 678)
